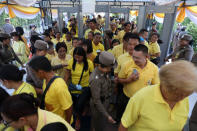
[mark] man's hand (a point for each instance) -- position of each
(133, 77)
(111, 120)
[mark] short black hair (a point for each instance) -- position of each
(50, 44)
(141, 48)
(40, 63)
(60, 45)
(11, 72)
(114, 41)
(142, 31)
(130, 35)
(56, 126)
(157, 34)
(93, 21)
(127, 23)
(97, 34)
(64, 30)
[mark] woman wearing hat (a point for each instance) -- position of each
(184, 51)
(100, 85)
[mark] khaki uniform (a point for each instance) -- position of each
(100, 85)
(182, 53)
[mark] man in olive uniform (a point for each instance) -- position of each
(101, 86)
(7, 54)
(184, 51)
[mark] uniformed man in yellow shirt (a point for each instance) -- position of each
(136, 74)
(92, 25)
(164, 106)
(57, 99)
(127, 28)
(96, 43)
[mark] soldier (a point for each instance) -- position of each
(101, 86)
(7, 54)
(184, 51)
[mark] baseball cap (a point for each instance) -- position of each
(41, 45)
(107, 59)
(4, 35)
(186, 37)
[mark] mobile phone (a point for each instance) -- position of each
(135, 71)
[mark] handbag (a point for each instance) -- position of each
(76, 89)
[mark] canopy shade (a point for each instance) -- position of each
(19, 11)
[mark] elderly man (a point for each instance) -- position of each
(164, 106)
(7, 27)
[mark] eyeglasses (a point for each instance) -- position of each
(6, 123)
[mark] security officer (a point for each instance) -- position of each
(7, 54)
(184, 51)
(101, 88)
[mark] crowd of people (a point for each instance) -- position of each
(106, 81)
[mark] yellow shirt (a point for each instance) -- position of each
(55, 41)
(110, 50)
(148, 111)
(88, 30)
(76, 74)
(20, 49)
(149, 75)
(4, 128)
(45, 117)
(50, 56)
(71, 51)
(120, 35)
(153, 49)
(58, 98)
(97, 47)
(56, 61)
(69, 45)
(118, 50)
(69, 28)
(146, 44)
(92, 56)
(122, 60)
(25, 88)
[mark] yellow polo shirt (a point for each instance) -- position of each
(118, 50)
(4, 128)
(153, 49)
(71, 51)
(149, 75)
(25, 88)
(148, 111)
(122, 60)
(146, 44)
(120, 36)
(97, 47)
(58, 98)
(55, 41)
(69, 45)
(45, 118)
(76, 74)
(57, 61)
(88, 30)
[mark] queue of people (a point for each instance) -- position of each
(95, 83)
